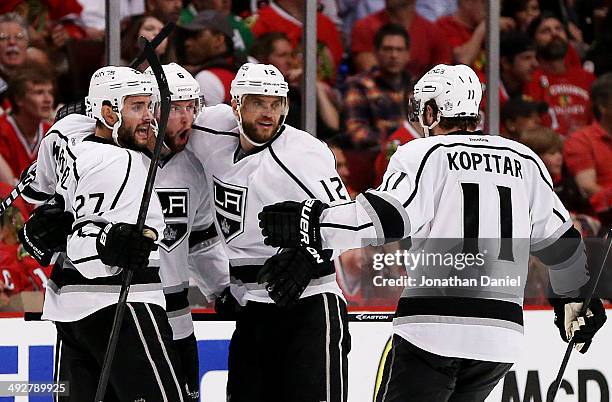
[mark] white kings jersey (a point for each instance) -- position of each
(191, 247)
(466, 186)
(99, 183)
(293, 166)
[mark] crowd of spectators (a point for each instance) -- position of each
(555, 69)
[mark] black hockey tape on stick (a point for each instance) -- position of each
(79, 106)
(554, 388)
(16, 192)
(164, 92)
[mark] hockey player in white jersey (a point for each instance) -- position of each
(190, 238)
(291, 341)
(100, 178)
(454, 341)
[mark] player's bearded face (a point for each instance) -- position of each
(182, 114)
(136, 128)
(261, 116)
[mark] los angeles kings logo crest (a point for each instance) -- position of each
(230, 203)
(175, 206)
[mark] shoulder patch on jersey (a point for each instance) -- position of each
(175, 207)
(230, 203)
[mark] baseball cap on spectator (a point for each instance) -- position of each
(210, 19)
(515, 42)
(519, 107)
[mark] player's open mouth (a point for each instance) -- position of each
(184, 135)
(264, 124)
(142, 132)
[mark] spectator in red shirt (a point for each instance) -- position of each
(287, 16)
(429, 47)
(209, 49)
(374, 101)
(31, 92)
(565, 88)
(465, 31)
(588, 151)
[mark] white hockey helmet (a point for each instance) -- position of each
(182, 85)
(456, 90)
(112, 84)
(259, 79)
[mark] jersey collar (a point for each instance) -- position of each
(95, 138)
(238, 155)
(465, 132)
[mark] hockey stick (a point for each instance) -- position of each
(16, 192)
(79, 106)
(552, 392)
(142, 214)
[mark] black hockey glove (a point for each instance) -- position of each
(292, 224)
(289, 272)
(580, 328)
(45, 232)
(119, 245)
(226, 305)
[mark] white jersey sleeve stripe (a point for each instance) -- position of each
(393, 227)
(372, 213)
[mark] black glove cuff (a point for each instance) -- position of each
(101, 242)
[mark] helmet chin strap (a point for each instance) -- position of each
(114, 128)
(242, 132)
(427, 128)
(245, 135)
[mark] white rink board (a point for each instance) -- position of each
(26, 350)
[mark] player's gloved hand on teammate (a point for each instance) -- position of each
(292, 224)
(226, 304)
(120, 245)
(289, 272)
(571, 325)
(45, 232)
